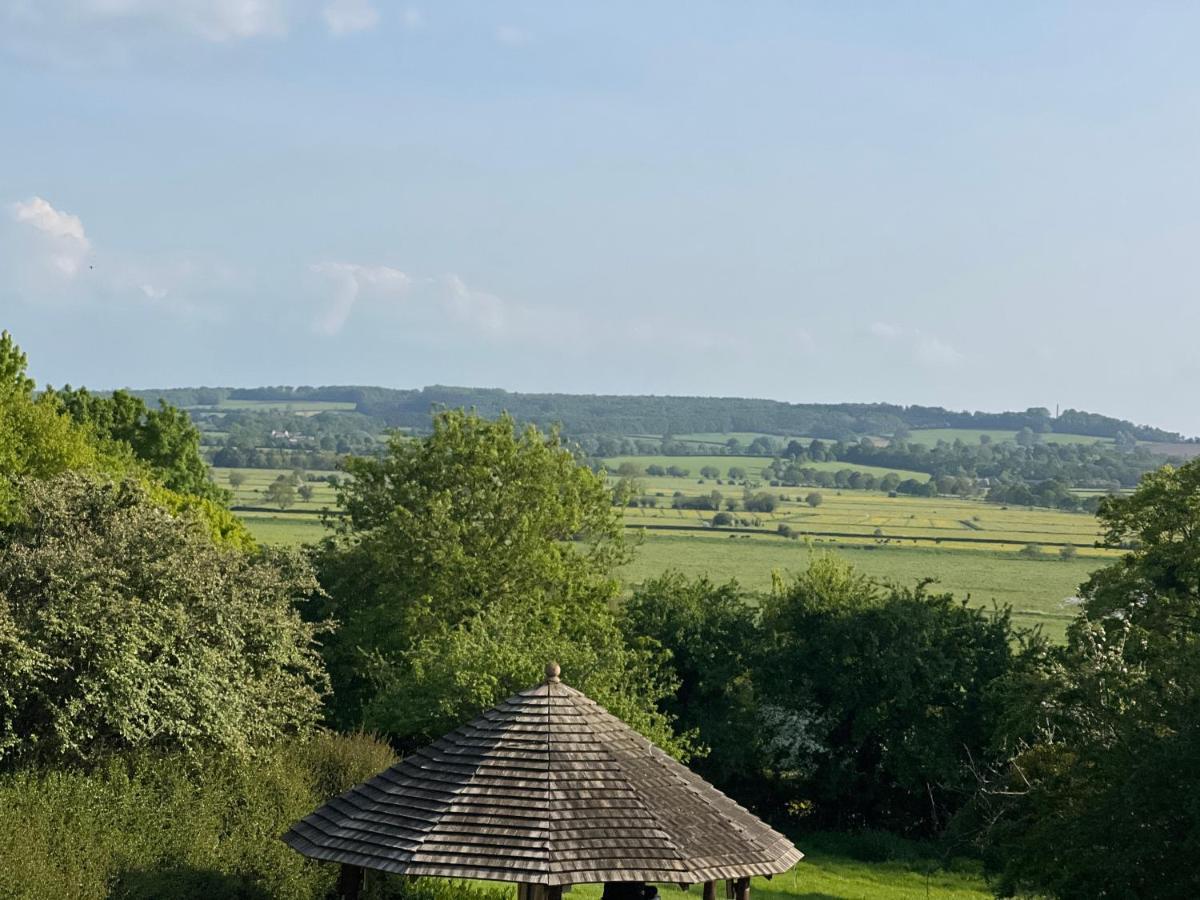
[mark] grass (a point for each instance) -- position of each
(292, 406)
(1039, 590)
(283, 529)
(855, 515)
(752, 464)
(972, 548)
(252, 492)
(930, 436)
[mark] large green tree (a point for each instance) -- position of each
(711, 633)
(123, 626)
(484, 544)
(876, 698)
(164, 438)
(1100, 796)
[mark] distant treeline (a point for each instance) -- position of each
(614, 414)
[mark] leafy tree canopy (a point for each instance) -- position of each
(123, 626)
(1097, 796)
(476, 538)
(164, 438)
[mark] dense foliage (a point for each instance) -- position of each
(1098, 797)
(857, 702)
(148, 826)
(123, 626)
(164, 438)
(464, 560)
(651, 415)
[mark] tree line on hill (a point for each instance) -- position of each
(164, 678)
(579, 415)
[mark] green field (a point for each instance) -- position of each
(253, 491)
(752, 464)
(930, 436)
(299, 407)
(1039, 590)
(971, 547)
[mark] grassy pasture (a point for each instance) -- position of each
(253, 491)
(930, 436)
(299, 407)
(283, 529)
(1037, 589)
(752, 464)
(971, 547)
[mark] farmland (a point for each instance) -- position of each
(972, 548)
(752, 464)
(930, 436)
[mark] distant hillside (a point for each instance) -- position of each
(581, 414)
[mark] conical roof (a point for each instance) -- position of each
(545, 788)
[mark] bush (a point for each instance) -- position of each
(123, 627)
(196, 828)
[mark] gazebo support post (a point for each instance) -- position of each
(741, 889)
(710, 890)
(350, 881)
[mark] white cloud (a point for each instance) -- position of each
(512, 35)
(58, 239)
(350, 16)
(478, 308)
(352, 279)
(47, 258)
(927, 349)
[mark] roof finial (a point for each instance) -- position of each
(553, 670)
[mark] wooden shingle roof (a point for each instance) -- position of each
(545, 788)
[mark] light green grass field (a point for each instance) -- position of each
(299, 407)
(752, 464)
(284, 529)
(930, 436)
(253, 491)
(1039, 590)
(921, 537)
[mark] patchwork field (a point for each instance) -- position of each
(752, 464)
(930, 436)
(972, 548)
(252, 491)
(299, 407)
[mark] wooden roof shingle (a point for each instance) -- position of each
(545, 788)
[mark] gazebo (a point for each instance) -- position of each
(545, 790)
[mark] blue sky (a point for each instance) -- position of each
(981, 206)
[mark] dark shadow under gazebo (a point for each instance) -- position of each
(545, 790)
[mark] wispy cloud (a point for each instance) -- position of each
(58, 237)
(926, 349)
(47, 257)
(344, 17)
(447, 298)
(351, 280)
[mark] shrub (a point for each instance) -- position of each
(195, 828)
(123, 627)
